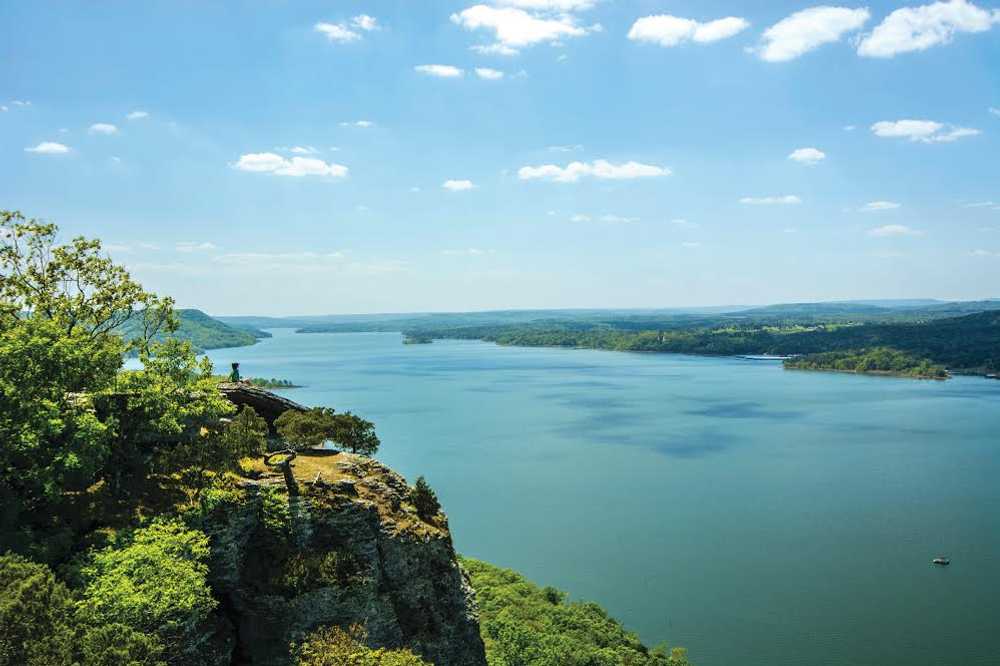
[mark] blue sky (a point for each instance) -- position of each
(333, 156)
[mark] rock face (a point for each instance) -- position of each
(349, 550)
(268, 405)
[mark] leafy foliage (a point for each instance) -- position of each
(333, 646)
(272, 383)
(967, 343)
(35, 615)
(303, 430)
(523, 624)
(60, 306)
(424, 499)
(201, 330)
(118, 644)
(155, 582)
(878, 360)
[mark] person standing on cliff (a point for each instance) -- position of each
(234, 376)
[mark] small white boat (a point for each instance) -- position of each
(942, 561)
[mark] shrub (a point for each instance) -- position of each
(155, 582)
(424, 499)
(333, 646)
(35, 615)
(119, 645)
(523, 624)
(315, 427)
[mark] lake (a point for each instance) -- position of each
(754, 515)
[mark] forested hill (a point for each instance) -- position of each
(202, 331)
(970, 343)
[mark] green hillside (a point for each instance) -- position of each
(203, 331)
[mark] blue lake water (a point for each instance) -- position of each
(754, 515)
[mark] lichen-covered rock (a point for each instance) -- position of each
(349, 550)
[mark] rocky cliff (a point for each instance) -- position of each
(350, 549)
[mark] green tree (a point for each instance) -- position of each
(424, 499)
(118, 644)
(218, 449)
(35, 615)
(167, 417)
(155, 582)
(60, 307)
(333, 646)
(306, 430)
(522, 625)
(355, 433)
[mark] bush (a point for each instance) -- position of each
(154, 582)
(317, 426)
(523, 624)
(35, 615)
(119, 645)
(424, 499)
(333, 646)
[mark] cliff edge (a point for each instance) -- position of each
(348, 549)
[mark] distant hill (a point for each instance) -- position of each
(203, 331)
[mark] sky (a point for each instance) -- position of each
(329, 156)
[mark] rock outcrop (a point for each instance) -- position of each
(268, 405)
(350, 549)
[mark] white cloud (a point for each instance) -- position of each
(103, 128)
(494, 49)
(360, 124)
(891, 230)
(788, 199)
(489, 74)
(850, 128)
(618, 219)
(601, 169)
(569, 148)
(807, 156)
(580, 218)
(20, 102)
(808, 29)
(873, 206)
(365, 22)
(515, 28)
(995, 111)
(2, 107)
(984, 253)
(137, 115)
(980, 204)
(296, 166)
(193, 246)
(466, 252)
(681, 223)
(48, 148)
(442, 71)
(924, 131)
(303, 150)
(919, 28)
(691, 244)
(667, 30)
(458, 185)
(337, 32)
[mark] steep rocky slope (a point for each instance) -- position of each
(349, 549)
